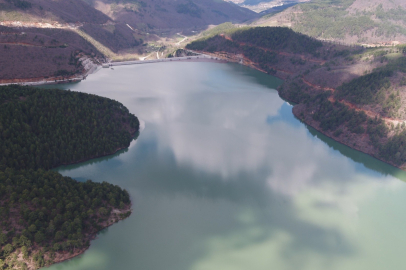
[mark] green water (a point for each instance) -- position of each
(223, 177)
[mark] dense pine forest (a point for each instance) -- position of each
(278, 38)
(48, 128)
(46, 217)
(259, 45)
(266, 38)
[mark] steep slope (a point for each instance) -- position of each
(61, 11)
(37, 54)
(350, 21)
(266, 6)
(123, 29)
(158, 16)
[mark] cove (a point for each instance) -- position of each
(224, 177)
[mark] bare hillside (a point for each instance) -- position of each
(159, 16)
(264, 5)
(122, 26)
(35, 53)
(62, 11)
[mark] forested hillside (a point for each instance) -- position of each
(45, 217)
(278, 38)
(271, 38)
(48, 128)
(260, 45)
(355, 95)
(351, 21)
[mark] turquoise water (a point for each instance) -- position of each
(223, 176)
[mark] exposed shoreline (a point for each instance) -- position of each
(64, 256)
(94, 69)
(209, 57)
(297, 109)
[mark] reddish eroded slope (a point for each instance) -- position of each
(33, 53)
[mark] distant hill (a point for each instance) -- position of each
(122, 26)
(266, 6)
(71, 11)
(350, 21)
(35, 53)
(148, 15)
(159, 16)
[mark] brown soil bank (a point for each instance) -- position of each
(31, 53)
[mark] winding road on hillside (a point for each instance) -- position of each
(184, 38)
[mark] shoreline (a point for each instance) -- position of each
(54, 256)
(89, 67)
(111, 220)
(115, 216)
(94, 69)
(203, 57)
(295, 108)
(246, 63)
(104, 155)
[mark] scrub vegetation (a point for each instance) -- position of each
(45, 217)
(352, 21)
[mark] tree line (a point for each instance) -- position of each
(42, 128)
(278, 38)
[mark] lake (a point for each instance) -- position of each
(223, 177)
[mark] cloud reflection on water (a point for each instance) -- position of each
(247, 184)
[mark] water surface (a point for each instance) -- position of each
(224, 177)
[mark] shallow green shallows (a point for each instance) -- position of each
(223, 177)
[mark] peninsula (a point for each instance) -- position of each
(48, 218)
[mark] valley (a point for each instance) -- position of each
(273, 134)
(100, 31)
(266, 6)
